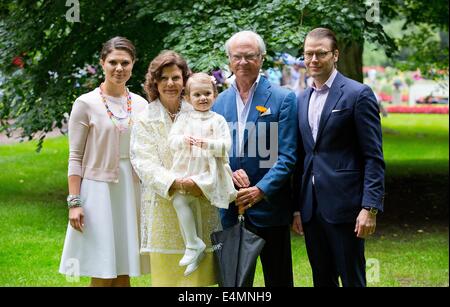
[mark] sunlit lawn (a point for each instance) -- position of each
(416, 143)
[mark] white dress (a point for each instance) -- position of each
(208, 167)
(109, 245)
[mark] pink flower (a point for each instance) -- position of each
(90, 69)
(418, 109)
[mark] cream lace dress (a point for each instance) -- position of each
(160, 233)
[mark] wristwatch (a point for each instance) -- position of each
(372, 210)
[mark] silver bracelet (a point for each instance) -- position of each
(74, 201)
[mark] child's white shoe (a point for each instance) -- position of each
(194, 266)
(192, 254)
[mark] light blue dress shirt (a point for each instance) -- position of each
(316, 103)
(243, 109)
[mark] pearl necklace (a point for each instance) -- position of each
(114, 118)
(174, 115)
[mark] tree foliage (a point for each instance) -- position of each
(420, 46)
(200, 29)
(47, 61)
(56, 54)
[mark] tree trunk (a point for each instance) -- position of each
(350, 60)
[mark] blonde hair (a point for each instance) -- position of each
(200, 77)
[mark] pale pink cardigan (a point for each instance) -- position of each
(93, 138)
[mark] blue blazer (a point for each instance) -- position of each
(347, 157)
(268, 154)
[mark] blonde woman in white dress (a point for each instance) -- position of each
(102, 239)
(200, 140)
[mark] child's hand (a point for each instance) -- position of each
(201, 143)
(191, 141)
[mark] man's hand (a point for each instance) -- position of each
(365, 224)
(297, 226)
(240, 179)
(247, 197)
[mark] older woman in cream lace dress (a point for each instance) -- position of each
(152, 159)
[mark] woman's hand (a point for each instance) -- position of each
(191, 187)
(76, 218)
(176, 185)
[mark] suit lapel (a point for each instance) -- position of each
(303, 120)
(333, 98)
(230, 106)
(230, 114)
(260, 98)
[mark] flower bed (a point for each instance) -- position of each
(417, 109)
(385, 97)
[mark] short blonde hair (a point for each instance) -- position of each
(200, 77)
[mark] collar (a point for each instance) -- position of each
(328, 83)
(255, 84)
(156, 110)
(200, 115)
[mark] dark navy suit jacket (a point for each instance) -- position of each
(347, 157)
(271, 140)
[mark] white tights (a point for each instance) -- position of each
(181, 203)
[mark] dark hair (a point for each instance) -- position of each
(118, 43)
(200, 77)
(320, 33)
(155, 69)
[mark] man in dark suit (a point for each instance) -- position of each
(340, 164)
(263, 119)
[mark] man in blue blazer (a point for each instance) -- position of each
(340, 164)
(263, 122)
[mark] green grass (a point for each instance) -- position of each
(411, 257)
(33, 216)
(416, 143)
